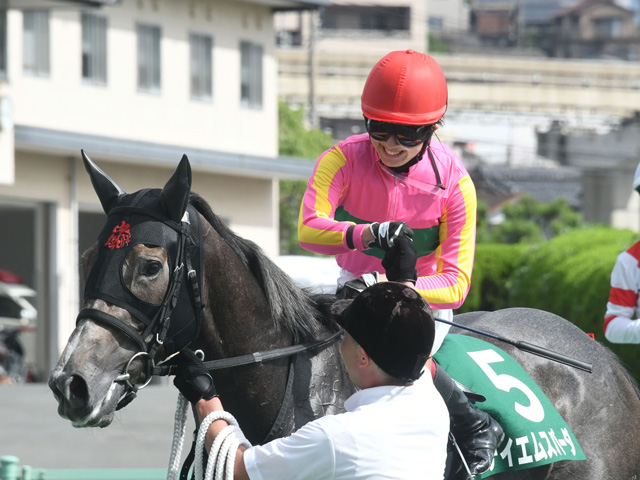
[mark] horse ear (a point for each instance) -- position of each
(175, 194)
(106, 189)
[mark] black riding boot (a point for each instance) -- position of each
(475, 431)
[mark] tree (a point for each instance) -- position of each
(528, 221)
(295, 141)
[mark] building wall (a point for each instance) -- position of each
(448, 17)
(118, 109)
(587, 26)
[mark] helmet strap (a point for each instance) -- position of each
(405, 168)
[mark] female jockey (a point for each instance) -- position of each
(396, 182)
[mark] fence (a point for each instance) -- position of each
(11, 470)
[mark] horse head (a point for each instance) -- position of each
(145, 266)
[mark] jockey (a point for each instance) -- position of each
(396, 182)
(393, 428)
(621, 323)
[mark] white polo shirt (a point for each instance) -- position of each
(386, 433)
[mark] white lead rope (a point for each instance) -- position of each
(223, 451)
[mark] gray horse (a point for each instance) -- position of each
(244, 303)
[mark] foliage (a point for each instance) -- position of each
(528, 221)
(493, 264)
(295, 141)
(437, 45)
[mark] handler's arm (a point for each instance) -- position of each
(204, 408)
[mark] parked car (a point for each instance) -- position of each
(318, 274)
(18, 318)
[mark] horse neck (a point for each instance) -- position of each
(237, 321)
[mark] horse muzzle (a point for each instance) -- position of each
(75, 403)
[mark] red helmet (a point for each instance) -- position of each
(405, 87)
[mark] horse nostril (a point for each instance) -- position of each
(78, 391)
(75, 384)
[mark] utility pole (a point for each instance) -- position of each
(313, 66)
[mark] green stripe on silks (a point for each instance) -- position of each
(535, 433)
(425, 240)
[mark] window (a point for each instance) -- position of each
(607, 27)
(251, 75)
(35, 50)
(201, 66)
(347, 17)
(149, 57)
(94, 48)
(3, 43)
(435, 23)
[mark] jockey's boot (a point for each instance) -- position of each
(475, 431)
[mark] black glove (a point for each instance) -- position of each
(400, 261)
(192, 377)
(385, 234)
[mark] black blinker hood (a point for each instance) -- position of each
(151, 217)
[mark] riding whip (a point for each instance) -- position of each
(528, 347)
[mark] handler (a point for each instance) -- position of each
(393, 427)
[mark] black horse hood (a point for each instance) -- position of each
(150, 217)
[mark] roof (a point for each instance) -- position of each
(543, 184)
(38, 4)
(132, 151)
(585, 5)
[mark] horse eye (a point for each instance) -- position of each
(150, 269)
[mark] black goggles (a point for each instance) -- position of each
(407, 135)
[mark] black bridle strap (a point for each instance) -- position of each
(256, 357)
(101, 316)
(278, 424)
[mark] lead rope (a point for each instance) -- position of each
(179, 429)
(223, 451)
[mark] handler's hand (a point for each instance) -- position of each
(385, 234)
(400, 261)
(192, 378)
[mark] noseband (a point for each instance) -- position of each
(175, 322)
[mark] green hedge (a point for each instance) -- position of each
(568, 275)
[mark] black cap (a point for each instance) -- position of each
(394, 325)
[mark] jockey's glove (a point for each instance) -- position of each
(400, 261)
(192, 377)
(385, 234)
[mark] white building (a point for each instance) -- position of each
(351, 26)
(136, 84)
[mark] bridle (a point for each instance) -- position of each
(185, 285)
(185, 282)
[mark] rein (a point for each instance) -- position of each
(257, 357)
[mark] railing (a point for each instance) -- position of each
(11, 470)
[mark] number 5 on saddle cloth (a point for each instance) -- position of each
(535, 433)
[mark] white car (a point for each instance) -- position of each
(318, 274)
(17, 312)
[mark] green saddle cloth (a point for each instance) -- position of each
(535, 433)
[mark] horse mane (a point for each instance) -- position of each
(292, 308)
